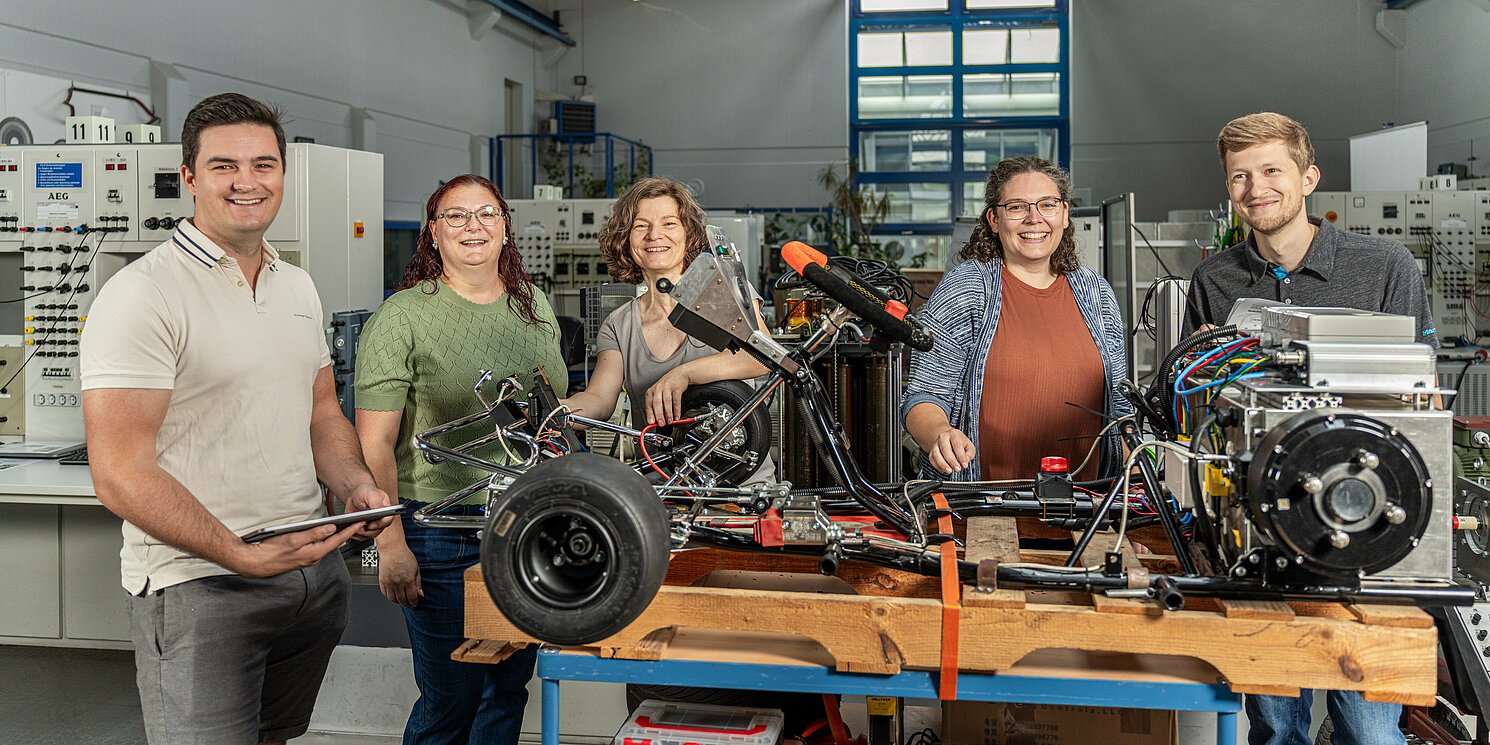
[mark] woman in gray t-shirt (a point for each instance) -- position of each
(654, 231)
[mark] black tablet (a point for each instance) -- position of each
(342, 519)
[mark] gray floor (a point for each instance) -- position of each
(53, 696)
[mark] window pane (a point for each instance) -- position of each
(890, 6)
(1035, 45)
(916, 251)
(880, 49)
(972, 198)
(905, 151)
(985, 46)
(928, 47)
(987, 4)
(982, 149)
(1018, 94)
(908, 97)
(920, 202)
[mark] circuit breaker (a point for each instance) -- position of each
(1448, 233)
(76, 214)
(559, 240)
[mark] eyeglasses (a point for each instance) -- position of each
(457, 217)
(1016, 209)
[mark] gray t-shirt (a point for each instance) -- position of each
(622, 331)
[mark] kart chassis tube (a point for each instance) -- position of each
(928, 562)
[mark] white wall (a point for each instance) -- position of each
(1153, 81)
(749, 97)
(409, 64)
(1445, 80)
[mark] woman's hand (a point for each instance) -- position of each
(398, 574)
(665, 397)
(950, 451)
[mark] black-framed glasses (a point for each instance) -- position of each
(457, 217)
(1016, 209)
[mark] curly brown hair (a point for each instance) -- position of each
(984, 245)
(426, 266)
(615, 235)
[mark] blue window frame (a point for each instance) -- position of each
(941, 90)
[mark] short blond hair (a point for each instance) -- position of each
(1256, 129)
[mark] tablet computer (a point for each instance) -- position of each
(342, 519)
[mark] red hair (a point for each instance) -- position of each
(426, 265)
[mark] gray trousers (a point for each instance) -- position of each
(229, 659)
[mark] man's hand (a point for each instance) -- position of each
(951, 450)
(284, 553)
(398, 573)
(366, 497)
(665, 397)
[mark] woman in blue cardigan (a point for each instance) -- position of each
(1029, 344)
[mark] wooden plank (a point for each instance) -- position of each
(1257, 690)
(484, 651)
(1387, 653)
(1093, 556)
(992, 538)
(863, 634)
(1303, 652)
(1405, 616)
(654, 645)
(1261, 610)
(1160, 563)
(691, 566)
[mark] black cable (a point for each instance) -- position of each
(1152, 250)
(874, 271)
(1146, 320)
(24, 298)
(47, 335)
(1163, 386)
(781, 324)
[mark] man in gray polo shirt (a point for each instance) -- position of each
(1269, 165)
(1290, 256)
(210, 412)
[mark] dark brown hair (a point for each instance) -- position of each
(615, 235)
(224, 109)
(1255, 129)
(426, 265)
(984, 245)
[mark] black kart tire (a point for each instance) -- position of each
(575, 549)
(731, 394)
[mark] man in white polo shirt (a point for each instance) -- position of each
(210, 412)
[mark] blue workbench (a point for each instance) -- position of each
(1158, 683)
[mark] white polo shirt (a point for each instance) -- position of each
(240, 365)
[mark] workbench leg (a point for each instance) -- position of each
(550, 696)
(1225, 727)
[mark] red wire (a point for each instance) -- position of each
(643, 444)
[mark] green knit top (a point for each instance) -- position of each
(421, 353)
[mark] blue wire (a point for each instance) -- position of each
(1215, 383)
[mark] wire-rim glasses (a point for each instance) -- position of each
(457, 217)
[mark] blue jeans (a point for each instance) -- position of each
(1284, 720)
(459, 702)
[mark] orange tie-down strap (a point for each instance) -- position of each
(951, 602)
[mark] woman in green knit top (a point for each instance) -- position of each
(464, 305)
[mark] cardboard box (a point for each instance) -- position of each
(986, 723)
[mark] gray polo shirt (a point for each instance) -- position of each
(1341, 269)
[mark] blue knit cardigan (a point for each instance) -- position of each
(963, 313)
